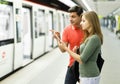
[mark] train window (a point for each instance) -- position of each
(66, 20)
(50, 21)
(35, 19)
(59, 23)
(41, 22)
(6, 22)
(63, 20)
(18, 25)
(50, 26)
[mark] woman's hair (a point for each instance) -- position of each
(93, 19)
(77, 9)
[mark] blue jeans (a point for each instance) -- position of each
(70, 78)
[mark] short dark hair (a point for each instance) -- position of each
(77, 9)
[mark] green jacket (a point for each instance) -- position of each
(88, 53)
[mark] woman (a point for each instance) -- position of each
(89, 49)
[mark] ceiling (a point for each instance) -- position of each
(102, 7)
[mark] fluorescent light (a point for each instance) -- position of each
(68, 2)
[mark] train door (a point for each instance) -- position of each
(63, 24)
(27, 39)
(59, 24)
(18, 49)
(55, 26)
(39, 38)
(67, 22)
(6, 39)
(61, 21)
(49, 39)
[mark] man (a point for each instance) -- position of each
(72, 36)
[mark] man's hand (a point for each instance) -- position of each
(56, 35)
(61, 44)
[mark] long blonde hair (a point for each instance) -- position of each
(93, 19)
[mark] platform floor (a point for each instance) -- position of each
(51, 68)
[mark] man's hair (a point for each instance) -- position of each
(77, 9)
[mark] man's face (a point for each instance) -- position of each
(74, 18)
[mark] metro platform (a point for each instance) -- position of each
(51, 67)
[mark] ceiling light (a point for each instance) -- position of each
(68, 2)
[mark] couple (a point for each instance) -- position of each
(84, 33)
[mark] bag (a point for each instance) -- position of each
(100, 61)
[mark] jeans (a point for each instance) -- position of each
(70, 79)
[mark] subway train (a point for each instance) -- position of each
(24, 32)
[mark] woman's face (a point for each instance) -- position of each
(85, 23)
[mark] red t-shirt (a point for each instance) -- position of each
(73, 37)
